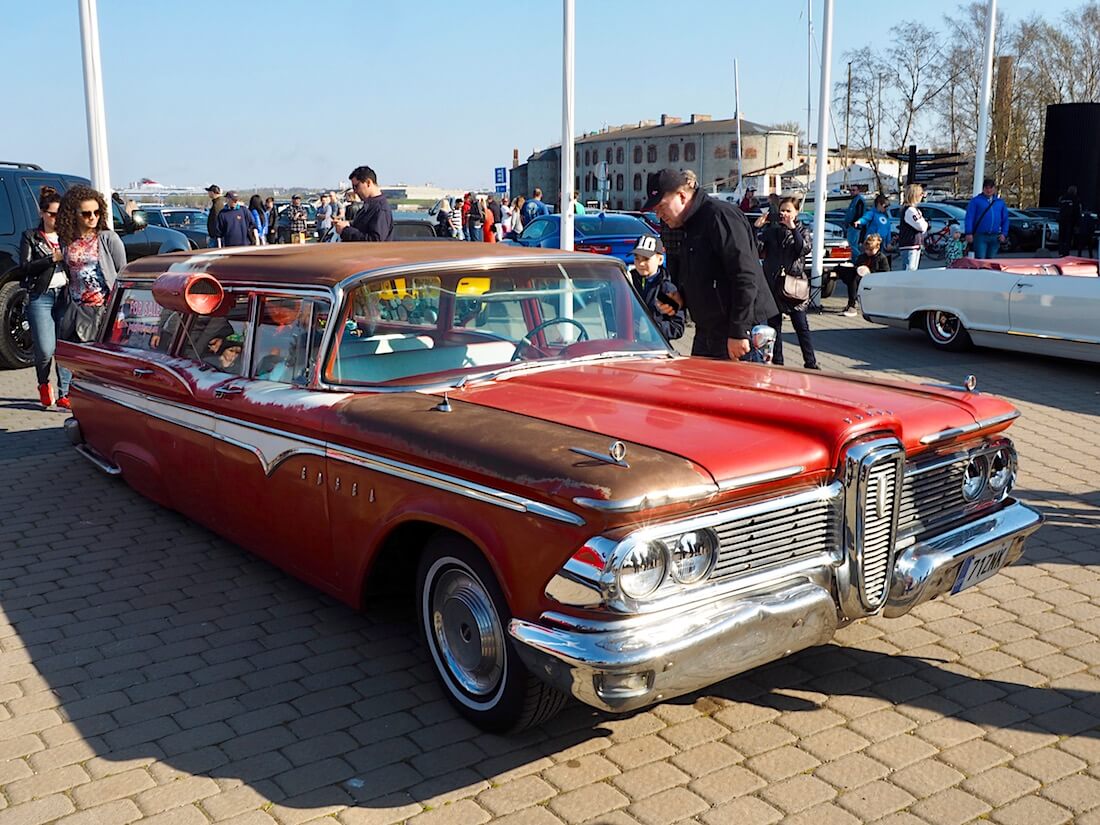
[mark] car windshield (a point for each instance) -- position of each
(441, 327)
(595, 225)
(185, 219)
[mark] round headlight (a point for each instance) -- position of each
(693, 555)
(1002, 467)
(642, 569)
(974, 477)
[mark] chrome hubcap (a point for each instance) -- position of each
(945, 326)
(468, 632)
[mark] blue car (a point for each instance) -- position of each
(603, 234)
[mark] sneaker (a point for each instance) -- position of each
(45, 395)
(63, 403)
(850, 312)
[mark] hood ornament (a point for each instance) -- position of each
(616, 454)
(444, 405)
(971, 383)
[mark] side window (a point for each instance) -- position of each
(535, 230)
(32, 188)
(140, 323)
(288, 337)
(7, 223)
(218, 340)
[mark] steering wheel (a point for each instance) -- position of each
(525, 341)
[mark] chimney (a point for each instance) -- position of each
(699, 118)
(668, 120)
(515, 158)
(642, 124)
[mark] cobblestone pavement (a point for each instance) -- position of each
(149, 669)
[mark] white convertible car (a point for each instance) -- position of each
(1048, 306)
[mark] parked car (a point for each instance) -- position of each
(416, 229)
(1048, 306)
(502, 432)
(19, 189)
(188, 220)
(282, 221)
(1025, 233)
(603, 233)
(650, 218)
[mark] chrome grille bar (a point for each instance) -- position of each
(777, 538)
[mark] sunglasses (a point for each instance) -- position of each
(90, 213)
(51, 213)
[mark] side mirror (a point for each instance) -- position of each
(761, 343)
(139, 220)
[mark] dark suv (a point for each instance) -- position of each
(19, 187)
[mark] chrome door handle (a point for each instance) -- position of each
(140, 372)
(221, 392)
(1024, 286)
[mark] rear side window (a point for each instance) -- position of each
(218, 341)
(140, 323)
(288, 338)
(7, 224)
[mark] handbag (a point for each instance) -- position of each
(80, 323)
(795, 289)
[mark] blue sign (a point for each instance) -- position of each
(501, 188)
(500, 176)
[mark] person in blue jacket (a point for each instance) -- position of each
(259, 217)
(986, 221)
(857, 208)
(877, 221)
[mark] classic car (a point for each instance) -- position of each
(503, 433)
(603, 233)
(186, 219)
(1047, 306)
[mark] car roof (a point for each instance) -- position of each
(329, 264)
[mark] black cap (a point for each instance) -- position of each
(659, 184)
(231, 195)
(649, 245)
(214, 189)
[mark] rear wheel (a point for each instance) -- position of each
(15, 332)
(464, 619)
(946, 331)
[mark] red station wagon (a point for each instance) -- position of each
(578, 509)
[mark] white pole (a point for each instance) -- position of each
(987, 87)
(822, 147)
(737, 114)
(567, 167)
(93, 100)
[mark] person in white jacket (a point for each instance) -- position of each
(912, 227)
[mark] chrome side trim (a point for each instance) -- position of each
(738, 482)
(451, 484)
(955, 432)
(97, 460)
(272, 447)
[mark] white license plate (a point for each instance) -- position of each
(981, 567)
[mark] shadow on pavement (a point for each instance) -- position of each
(161, 642)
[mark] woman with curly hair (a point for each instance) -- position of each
(93, 257)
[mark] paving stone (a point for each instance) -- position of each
(759, 739)
(649, 780)
(1048, 765)
(463, 812)
(640, 751)
(587, 802)
(511, 797)
(119, 812)
(1078, 793)
(874, 800)
(798, 793)
(576, 773)
(1001, 785)
(851, 771)
(950, 807)
(926, 778)
(55, 781)
(704, 759)
(781, 763)
(668, 806)
(1030, 810)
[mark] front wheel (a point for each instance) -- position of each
(946, 331)
(464, 619)
(15, 331)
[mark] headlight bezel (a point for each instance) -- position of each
(975, 477)
(674, 578)
(657, 552)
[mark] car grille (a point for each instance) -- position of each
(777, 538)
(878, 530)
(931, 497)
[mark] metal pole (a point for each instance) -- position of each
(809, 72)
(983, 109)
(822, 148)
(847, 121)
(567, 125)
(737, 113)
(93, 100)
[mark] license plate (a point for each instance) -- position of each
(981, 567)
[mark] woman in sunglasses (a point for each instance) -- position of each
(44, 277)
(93, 257)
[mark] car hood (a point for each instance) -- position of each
(733, 419)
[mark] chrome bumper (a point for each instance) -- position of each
(624, 664)
(928, 569)
(628, 664)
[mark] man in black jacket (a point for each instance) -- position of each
(716, 265)
(374, 220)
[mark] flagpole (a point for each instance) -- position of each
(567, 165)
(93, 100)
(821, 182)
(987, 85)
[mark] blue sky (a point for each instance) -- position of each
(292, 93)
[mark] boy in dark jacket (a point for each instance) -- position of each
(658, 292)
(871, 260)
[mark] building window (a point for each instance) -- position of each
(577, 158)
(587, 158)
(607, 155)
(637, 183)
(673, 152)
(733, 148)
(651, 153)
(637, 154)
(689, 152)
(576, 183)
(749, 153)
(619, 182)
(790, 151)
(588, 182)
(619, 155)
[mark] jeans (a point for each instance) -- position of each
(212, 243)
(801, 326)
(910, 259)
(986, 245)
(851, 279)
(44, 314)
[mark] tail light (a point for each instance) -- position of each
(595, 248)
(840, 252)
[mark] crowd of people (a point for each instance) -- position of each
(482, 218)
